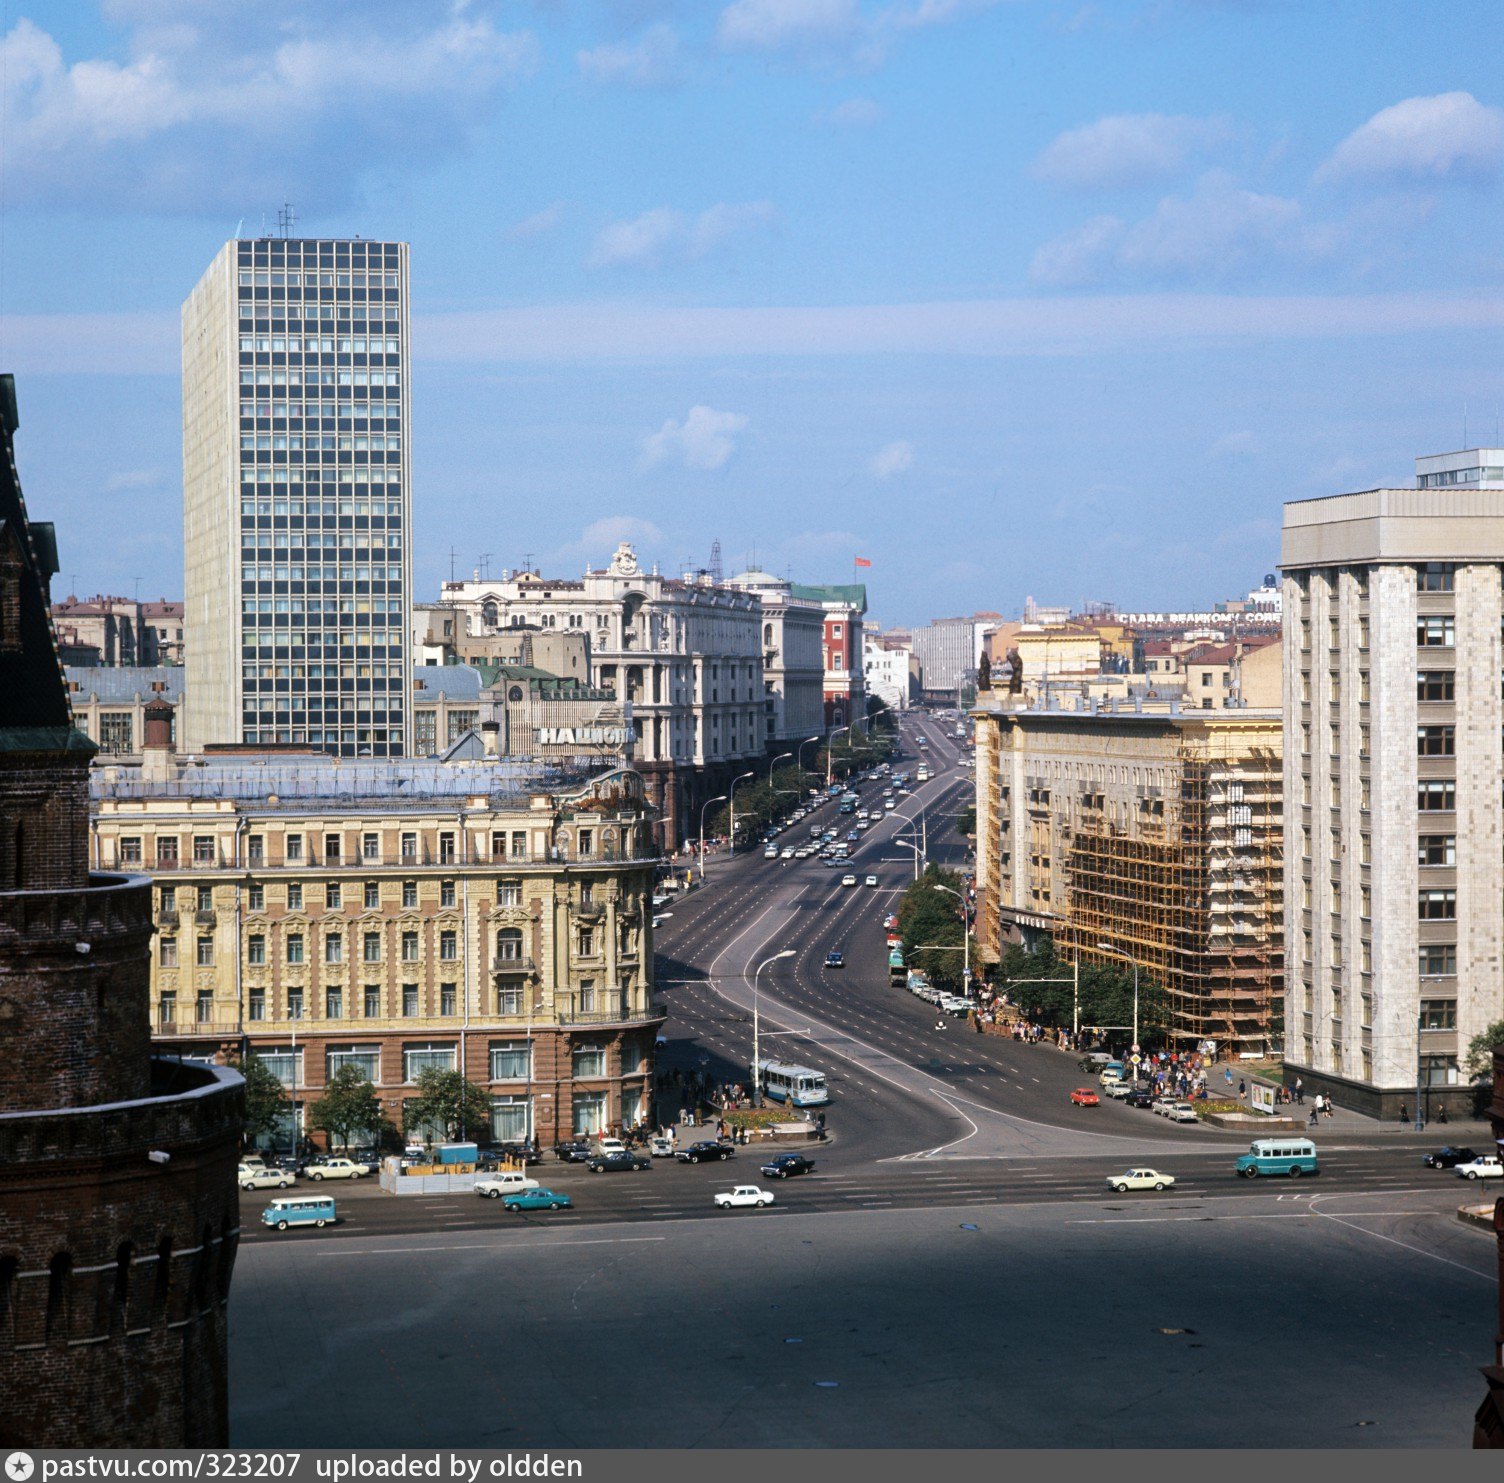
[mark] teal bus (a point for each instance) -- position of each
(1274, 1156)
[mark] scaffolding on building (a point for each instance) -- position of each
(1191, 891)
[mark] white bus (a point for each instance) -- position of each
(797, 1086)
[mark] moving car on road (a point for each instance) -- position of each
(787, 1165)
(1274, 1156)
(617, 1163)
(742, 1196)
(536, 1199)
(505, 1182)
(848, 880)
(1139, 1179)
(834, 959)
(1085, 1097)
(1485, 1166)
(337, 1169)
(1449, 1157)
(705, 1153)
(872, 880)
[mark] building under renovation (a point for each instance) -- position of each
(1140, 837)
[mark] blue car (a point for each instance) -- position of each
(834, 960)
(536, 1199)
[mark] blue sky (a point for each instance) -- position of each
(1007, 296)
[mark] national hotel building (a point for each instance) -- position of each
(297, 496)
(1394, 758)
(491, 917)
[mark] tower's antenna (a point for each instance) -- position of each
(715, 562)
(286, 219)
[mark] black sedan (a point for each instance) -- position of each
(1139, 1098)
(786, 1165)
(617, 1163)
(1449, 1157)
(573, 1152)
(705, 1153)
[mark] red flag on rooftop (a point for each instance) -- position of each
(860, 561)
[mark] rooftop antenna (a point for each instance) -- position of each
(286, 219)
(715, 562)
(452, 554)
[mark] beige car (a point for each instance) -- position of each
(258, 1176)
(337, 1169)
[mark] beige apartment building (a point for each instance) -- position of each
(1134, 836)
(1395, 873)
(490, 917)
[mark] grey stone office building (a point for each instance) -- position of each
(1394, 816)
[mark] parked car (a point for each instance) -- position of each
(1139, 1097)
(1485, 1166)
(504, 1182)
(572, 1151)
(617, 1163)
(258, 1176)
(1121, 1090)
(1140, 1179)
(1449, 1157)
(1085, 1097)
(705, 1153)
(337, 1169)
(787, 1165)
(660, 1147)
(1177, 1112)
(742, 1196)
(1093, 1060)
(536, 1199)
(834, 959)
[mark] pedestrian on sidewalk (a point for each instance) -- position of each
(1404, 1114)
(1300, 1092)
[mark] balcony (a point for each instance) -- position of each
(192, 1028)
(567, 1014)
(513, 965)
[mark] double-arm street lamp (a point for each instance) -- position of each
(965, 934)
(719, 798)
(830, 754)
(774, 763)
(788, 952)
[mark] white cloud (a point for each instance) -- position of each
(132, 479)
(1236, 445)
(1126, 149)
(704, 440)
(648, 240)
(206, 113)
(653, 60)
(600, 538)
(1219, 231)
(539, 224)
(853, 113)
(788, 25)
(894, 458)
(1447, 136)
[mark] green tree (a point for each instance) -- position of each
(1479, 1064)
(348, 1107)
(929, 920)
(266, 1101)
(966, 820)
(446, 1100)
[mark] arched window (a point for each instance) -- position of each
(489, 613)
(509, 945)
(767, 635)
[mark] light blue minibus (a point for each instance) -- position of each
(299, 1210)
(1269, 1156)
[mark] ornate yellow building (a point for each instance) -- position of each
(483, 916)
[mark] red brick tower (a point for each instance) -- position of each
(119, 1210)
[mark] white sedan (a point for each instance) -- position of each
(337, 1169)
(258, 1176)
(1485, 1166)
(744, 1195)
(871, 880)
(848, 880)
(1139, 1179)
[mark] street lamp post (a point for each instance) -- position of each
(799, 759)
(774, 763)
(742, 778)
(830, 754)
(719, 798)
(1107, 947)
(788, 952)
(965, 937)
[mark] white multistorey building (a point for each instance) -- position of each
(793, 663)
(1394, 815)
(297, 496)
(683, 658)
(888, 671)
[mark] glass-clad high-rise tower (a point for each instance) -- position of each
(296, 497)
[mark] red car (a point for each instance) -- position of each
(1085, 1097)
